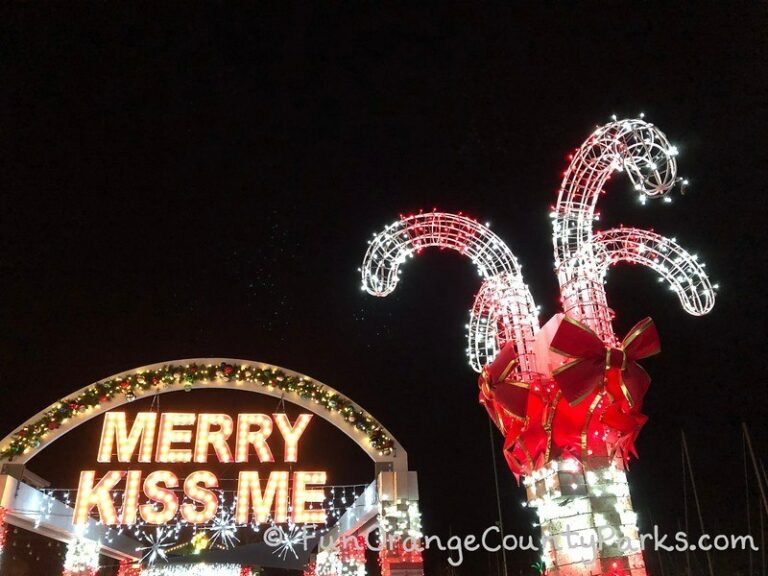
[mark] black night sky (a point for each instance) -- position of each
(199, 180)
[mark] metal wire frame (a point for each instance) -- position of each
(504, 309)
(411, 234)
(680, 269)
(632, 146)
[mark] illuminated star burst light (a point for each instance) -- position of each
(288, 540)
(158, 542)
(224, 531)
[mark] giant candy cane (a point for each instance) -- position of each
(679, 269)
(581, 257)
(504, 310)
(567, 396)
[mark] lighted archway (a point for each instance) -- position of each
(184, 375)
(385, 502)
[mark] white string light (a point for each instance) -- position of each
(643, 152)
(675, 266)
(201, 569)
(162, 542)
(82, 557)
(504, 309)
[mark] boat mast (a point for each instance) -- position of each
(687, 457)
(760, 477)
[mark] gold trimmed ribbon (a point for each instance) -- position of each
(595, 365)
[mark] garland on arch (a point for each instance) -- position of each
(128, 386)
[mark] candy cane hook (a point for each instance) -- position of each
(504, 309)
(581, 257)
(681, 270)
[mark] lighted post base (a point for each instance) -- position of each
(397, 562)
(129, 568)
(82, 558)
(400, 553)
(581, 507)
(335, 563)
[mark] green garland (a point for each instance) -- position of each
(32, 435)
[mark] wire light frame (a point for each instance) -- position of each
(643, 152)
(569, 436)
(682, 271)
(504, 309)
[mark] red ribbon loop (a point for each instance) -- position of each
(596, 364)
(505, 398)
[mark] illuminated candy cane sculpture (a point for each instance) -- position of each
(581, 257)
(681, 271)
(504, 310)
(568, 395)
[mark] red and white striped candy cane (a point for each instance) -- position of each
(582, 257)
(503, 310)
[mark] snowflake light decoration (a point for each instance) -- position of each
(224, 530)
(288, 540)
(158, 542)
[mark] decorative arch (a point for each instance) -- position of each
(71, 411)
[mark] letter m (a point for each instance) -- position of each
(116, 431)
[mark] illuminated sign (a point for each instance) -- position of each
(179, 438)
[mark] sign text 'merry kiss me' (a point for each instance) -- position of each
(176, 437)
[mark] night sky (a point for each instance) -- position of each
(199, 180)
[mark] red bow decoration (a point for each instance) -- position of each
(526, 452)
(503, 396)
(627, 426)
(596, 364)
